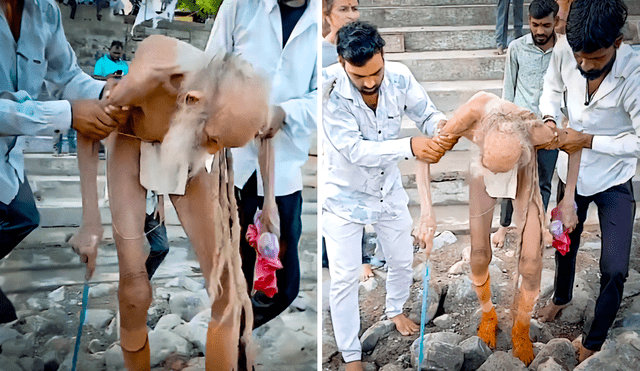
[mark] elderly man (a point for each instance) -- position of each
(598, 78)
(29, 55)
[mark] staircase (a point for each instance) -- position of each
(449, 45)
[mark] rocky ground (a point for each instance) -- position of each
(43, 337)
(453, 312)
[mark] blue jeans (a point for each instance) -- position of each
(159, 242)
(290, 210)
(546, 164)
(502, 21)
(616, 213)
(17, 220)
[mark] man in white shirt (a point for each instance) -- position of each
(29, 55)
(598, 79)
(279, 38)
(362, 183)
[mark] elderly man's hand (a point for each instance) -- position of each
(85, 243)
(89, 118)
(575, 140)
(276, 120)
(427, 149)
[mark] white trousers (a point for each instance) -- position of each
(343, 239)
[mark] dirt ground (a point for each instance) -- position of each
(396, 348)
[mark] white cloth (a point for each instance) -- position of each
(41, 55)
(153, 9)
(159, 173)
(362, 148)
(613, 116)
(253, 30)
(343, 239)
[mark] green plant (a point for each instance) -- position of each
(202, 8)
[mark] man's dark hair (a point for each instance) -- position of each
(539, 9)
(116, 43)
(357, 42)
(595, 24)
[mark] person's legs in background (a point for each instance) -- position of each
(157, 236)
(502, 25)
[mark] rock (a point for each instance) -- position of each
(37, 303)
(575, 312)
(111, 332)
(86, 361)
(433, 302)
(101, 290)
(590, 246)
(461, 291)
(168, 322)
(99, 318)
(549, 365)
(113, 358)
(196, 330)
(466, 253)
(370, 337)
(185, 282)
(368, 285)
(187, 304)
(31, 364)
(195, 364)
(418, 273)
(96, 346)
(7, 333)
(443, 321)
(461, 267)
(392, 367)
(19, 347)
(42, 326)
(547, 282)
(475, 353)
(9, 363)
(501, 361)
(57, 295)
(621, 354)
(164, 343)
(62, 345)
(538, 332)
(560, 350)
(438, 356)
(301, 302)
(632, 285)
(444, 238)
(50, 359)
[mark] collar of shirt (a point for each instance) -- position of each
(528, 39)
(345, 88)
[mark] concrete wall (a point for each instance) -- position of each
(90, 38)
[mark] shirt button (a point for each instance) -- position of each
(379, 131)
(380, 200)
(381, 188)
(382, 173)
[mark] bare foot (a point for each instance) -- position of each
(522, 347)
(549, 312)
(488, 327)
(366, 272)
(584, 353)
(547, 237)
(404, 325)
(353, 366)
(497, 239)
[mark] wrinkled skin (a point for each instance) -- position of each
(469, 121)
(158, 89)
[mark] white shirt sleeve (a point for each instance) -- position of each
(420, 108)
(19, 115)
(553, 88)
(221, 36)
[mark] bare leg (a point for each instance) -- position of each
(481, 214)
(127, 202)
(353, 366)
(427, 227)
(206, 222)
(530, 267)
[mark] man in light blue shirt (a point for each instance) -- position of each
(279, 39)
(37, 52)
(111, 64)
(527, 61)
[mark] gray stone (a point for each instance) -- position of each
(164, 343)
(632, 285)
(187, 305)
(418, 273)
(368, 285)
(60, 319)
(591, 246)
(31, 364)
(443, 239)
(50, 357)
(9, 363)
(37, 303)
(475, 353)
(539, 332)
(7, 333)
(195, 364)
(99, 318)
(168, 322)
(101, 290)
(438, 356)
(560, 350)
(443, 321)
(622, 354)
(185, 282)
(57, 295)
(549, 365)
(370, 337)
(19, 347)
(95, 346)
(575, 312)
(41, 326)
(62, 345)
(546, 283)
(461, 267)
(501, 361)
(113, 358)
(392, 367)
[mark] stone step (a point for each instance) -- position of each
(452, 65)
(53, 187)
(369, 3)
(47, 164)
(418, 39)
(450, 95)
